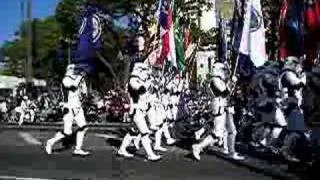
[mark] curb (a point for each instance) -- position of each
(55, 127)
(259, 166)
(268, 171)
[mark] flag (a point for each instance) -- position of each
(292, 29)
(188, 46)
(167, 33)
(179, 43)
(312, 35)
(223, 36)
(253, 39)
(90, 40)
(237, 23)
(187, 37)
(155, 50)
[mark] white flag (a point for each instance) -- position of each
(253, 34)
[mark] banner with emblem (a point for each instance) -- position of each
(253, 39)
(90, 39)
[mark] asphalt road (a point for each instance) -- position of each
(22, 156)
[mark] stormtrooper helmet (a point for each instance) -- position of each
(140, 70)
(70, 71)
(291, 60)
(218, 70)
(25, 98)
(294, 64)
(70, 77)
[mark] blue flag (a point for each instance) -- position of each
(292, 29)
(90, 40)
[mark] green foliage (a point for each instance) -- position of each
(64, 25)
(226, 8)
(45, 36)
(66, 15)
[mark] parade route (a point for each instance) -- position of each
(21, 158)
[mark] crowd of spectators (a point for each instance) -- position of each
(44, 105)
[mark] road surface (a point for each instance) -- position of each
(22, 157)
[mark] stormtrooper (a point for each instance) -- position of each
(137, 88)
(292, 82)
(176, 90)
(75, 89)
(222, 120)
(167, 105)
(156, 116)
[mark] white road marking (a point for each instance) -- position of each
(106, 136)
(29, 138)
(21, 178)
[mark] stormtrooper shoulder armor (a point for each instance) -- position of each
(135, 89)
(218, 86)
(69, 83)
(290, 78)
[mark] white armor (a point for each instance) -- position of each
(153, 116)
(224, 128)
(137, 87)
(175, 97)
(76, 88)
(292, 81)
(293, 78)
(219, 84)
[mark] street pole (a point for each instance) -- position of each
(69, 51)
(29, 43)
(24, 61)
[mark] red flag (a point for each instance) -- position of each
(187, 38)
(312, 21)
(292, 29)
(166, 33)
(283, 50)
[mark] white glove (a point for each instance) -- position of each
(234, 78)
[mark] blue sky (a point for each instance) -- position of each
(10, 15)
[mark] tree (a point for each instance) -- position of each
(46, 33)
(115, 39)
(67, 15)
(51, 31)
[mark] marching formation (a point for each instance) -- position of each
(163, 107)
(264, 110)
